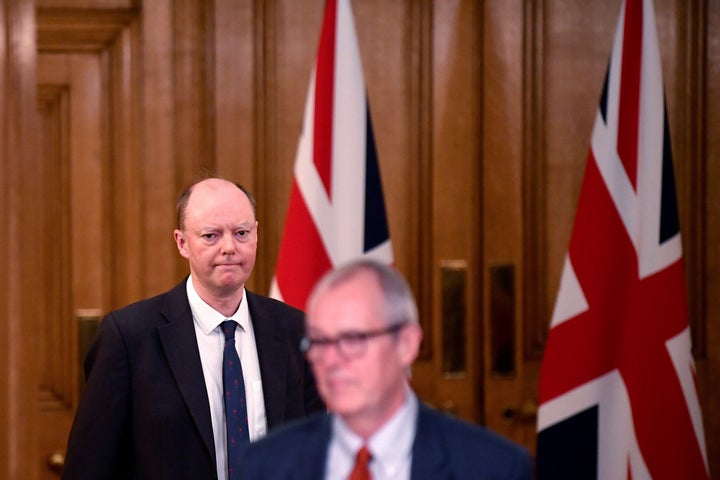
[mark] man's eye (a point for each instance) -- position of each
(321, 341)
(353, 337)
(208, 236)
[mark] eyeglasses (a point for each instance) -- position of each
(350, 345)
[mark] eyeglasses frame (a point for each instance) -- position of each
(307, 343)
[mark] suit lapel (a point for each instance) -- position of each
(430, 459)
(180, 346)
(272, 355)
(314, 452)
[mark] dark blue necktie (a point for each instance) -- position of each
(234, 397)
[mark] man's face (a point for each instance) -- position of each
(219, 238)
(368, 388)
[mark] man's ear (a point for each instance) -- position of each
(181, 242)
(409, 345)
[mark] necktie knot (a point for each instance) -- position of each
(228, 328)
(361, 471)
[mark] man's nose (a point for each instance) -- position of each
(227, 243)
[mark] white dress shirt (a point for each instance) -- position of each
(390, 447)
(211, 343)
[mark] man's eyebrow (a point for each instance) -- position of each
(246, 225)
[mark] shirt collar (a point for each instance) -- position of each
(208, 318)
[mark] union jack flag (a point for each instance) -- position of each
(337, 210)
(618, 395)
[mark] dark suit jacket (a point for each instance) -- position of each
(145, 411)
(444, 448)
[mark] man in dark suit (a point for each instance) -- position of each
(362, 335)
(153, 403)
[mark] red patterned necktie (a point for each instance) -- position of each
(361, 470)
(234, 397)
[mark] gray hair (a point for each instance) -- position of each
(399, 301)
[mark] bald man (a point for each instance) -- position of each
(153, 406)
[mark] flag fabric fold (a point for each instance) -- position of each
(337, 209)
(618, 395)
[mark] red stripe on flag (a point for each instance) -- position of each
(584, 347)
(302, 259)
(324, 91)
(628, 121)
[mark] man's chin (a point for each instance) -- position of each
(343, 404)
(230, 283)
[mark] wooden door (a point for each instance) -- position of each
(71, 108)
(81, 169)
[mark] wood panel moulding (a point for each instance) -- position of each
(19, 263)
(693, 151)
(57, 384)
(419, 80)
(535, 289)
(65, 30)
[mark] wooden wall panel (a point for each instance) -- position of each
(504, 91)
(237, 87)
(193, 120)
(126, 215)
(19, 219)
(456, 173)
(419, 193)
(57, 388)
(160, 188)
(87, 4)
(689, 136)
(57, 385)
(87, 197)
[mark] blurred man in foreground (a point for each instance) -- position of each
(362, 336)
